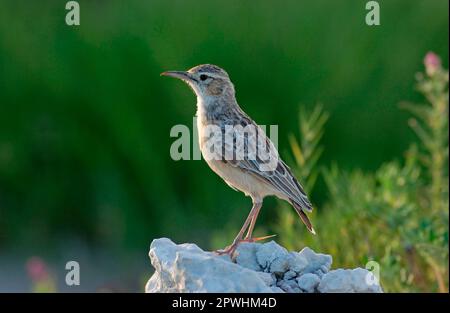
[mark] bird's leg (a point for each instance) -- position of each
(231, 248)
(248, 237)
(252, 224)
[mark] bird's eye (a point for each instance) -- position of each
(203, 77)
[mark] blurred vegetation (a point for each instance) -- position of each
(396, 215)
(85, 117)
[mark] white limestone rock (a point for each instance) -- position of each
(297, 263)
(289, 275)
(258, 267)
(246, 256)
(289, 286)
(317, 263)
(186, 268)
(355, 280)
(308, 282)
(268, 278)
(269, 253)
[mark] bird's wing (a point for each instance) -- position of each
(261, 159)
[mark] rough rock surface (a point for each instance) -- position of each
(266, 267)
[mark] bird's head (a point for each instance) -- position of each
(206, 80)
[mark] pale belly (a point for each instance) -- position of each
(242, 181)
(234, 177)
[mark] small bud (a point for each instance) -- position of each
(432, 63)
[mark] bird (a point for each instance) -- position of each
(236, 148)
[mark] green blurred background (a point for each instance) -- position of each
(85, 117)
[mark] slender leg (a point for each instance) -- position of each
(252, 223)
(251, 219)
(230, 249)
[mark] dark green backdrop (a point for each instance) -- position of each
(85, 116)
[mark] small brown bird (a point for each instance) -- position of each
(238, 150)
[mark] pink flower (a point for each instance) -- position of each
(37, 269)
(432, 63)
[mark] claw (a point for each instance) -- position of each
(258, 238)
(228, 250)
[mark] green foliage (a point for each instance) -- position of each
(308, 151)
(396, 215)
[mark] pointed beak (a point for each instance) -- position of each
(178, 74)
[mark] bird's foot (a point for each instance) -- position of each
(228, 250)
(232, 248)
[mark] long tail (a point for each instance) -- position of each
(303, 217)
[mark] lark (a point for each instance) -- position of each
(238, 150)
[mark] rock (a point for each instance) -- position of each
(318, 263)
(246, 256)
(268, 278)
(273, 258)
(308, 282)
(297, 263)
(186, 268)
(289, 275)
(288, 286)
(277, 289)
(268, 252)
(355, 280)
(279, 266)
(258, 267)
